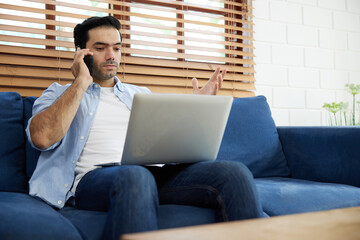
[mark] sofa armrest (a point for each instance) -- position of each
(325, 154)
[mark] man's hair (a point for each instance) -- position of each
(81, 30)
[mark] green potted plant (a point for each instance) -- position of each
(339, 115)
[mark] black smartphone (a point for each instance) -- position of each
(89, 61)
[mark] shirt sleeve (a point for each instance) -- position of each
(49, 96)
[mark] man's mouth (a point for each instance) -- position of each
(108, 66)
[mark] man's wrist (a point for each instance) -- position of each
(81, 84)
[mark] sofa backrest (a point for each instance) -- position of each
(323, 154)
(12, 153)
(251, 137)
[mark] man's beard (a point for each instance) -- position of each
(105, 76)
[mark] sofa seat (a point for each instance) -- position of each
(91, 224)
(281, 196)
(24, 217)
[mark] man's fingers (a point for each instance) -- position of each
(221, 77)
(215, 74)
(80, 53)
(195, 84)
(78, 58)
(223, 73)
(220, 80)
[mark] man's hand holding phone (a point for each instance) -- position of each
(89, 61)
(82, 67)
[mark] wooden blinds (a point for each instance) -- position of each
(165, 42)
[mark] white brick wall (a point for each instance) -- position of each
(333, 4)
(285, 12)
(346, 21)
(354, 40)
(270, 31)
(302, 35)
(285, 54)
(289, 98)
(306, 51)
(271, 75)
(304, 77)
(319, 58)
(333, 39)
(305, 117)
(318, 17)
(353, 6)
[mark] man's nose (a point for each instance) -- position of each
(110, 54)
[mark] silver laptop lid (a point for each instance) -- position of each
(175, 128)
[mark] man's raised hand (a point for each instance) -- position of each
(212, 86)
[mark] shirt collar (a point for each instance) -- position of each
(118, 84)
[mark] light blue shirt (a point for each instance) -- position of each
(55, 170)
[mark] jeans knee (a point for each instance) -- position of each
(232, 171)
(134, 181)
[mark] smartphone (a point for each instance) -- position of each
(89, 61)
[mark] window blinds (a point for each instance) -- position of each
(165, 43)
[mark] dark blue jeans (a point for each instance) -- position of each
(132, 194)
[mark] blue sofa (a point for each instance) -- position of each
(296, 169)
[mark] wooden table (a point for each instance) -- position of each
(336, 224)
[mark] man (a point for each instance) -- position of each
(81, 125)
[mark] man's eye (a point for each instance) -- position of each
(117, 49)
(99, 49)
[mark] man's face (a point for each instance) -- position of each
(105, 43)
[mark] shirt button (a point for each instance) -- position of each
(96, 97)
(96, 86)
(90, 113)
(82, 137)
(66, 185)
(59, 202)
(73, 161)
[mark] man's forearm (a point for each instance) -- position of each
(51, 125)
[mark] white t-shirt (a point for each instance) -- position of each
(107, 135)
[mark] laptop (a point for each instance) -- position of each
(175, 128)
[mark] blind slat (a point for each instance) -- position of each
(51, 69)
(181, 82)
(187, 56)
(185, 47)
(25, 92)
(164, 89)
(124, 31)
(80, 16)
(58, 43)
(178, 10)
(36, 20)
(29, 82)
(129, 41)
(67, 55)
(11, 28)
(178, 29)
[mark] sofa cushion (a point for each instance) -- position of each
(24, 217)
(12, 156)
(173, 216)
(90, 224)
(280, 196)
(31, 153)
(322, 154)
(251, 137)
